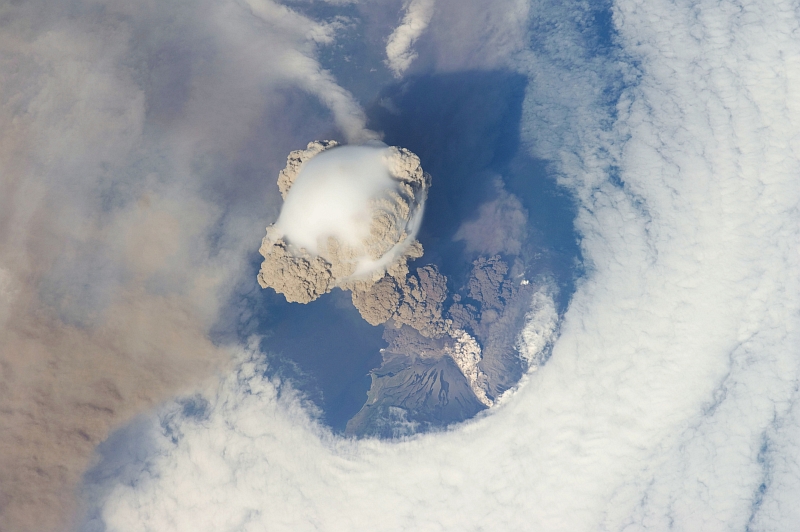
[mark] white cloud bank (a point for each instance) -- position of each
(671, 397)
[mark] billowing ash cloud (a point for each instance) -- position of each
(349, 220)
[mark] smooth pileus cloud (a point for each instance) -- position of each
(350, 216)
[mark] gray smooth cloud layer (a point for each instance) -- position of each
(670, 399)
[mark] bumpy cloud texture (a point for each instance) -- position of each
(670, 398)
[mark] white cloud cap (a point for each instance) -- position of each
(334, 195)
(350, 215)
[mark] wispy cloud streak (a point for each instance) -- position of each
(399, 48)
(124, 130)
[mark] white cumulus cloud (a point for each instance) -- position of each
(670, 397)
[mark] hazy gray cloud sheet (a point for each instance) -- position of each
(670, 396)
(121, 125)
